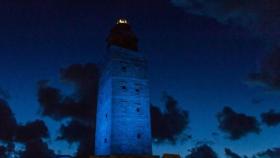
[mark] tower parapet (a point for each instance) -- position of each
(122, 35)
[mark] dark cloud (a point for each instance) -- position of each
(231, 154)
(6, 150)
(73, 131)
(80, 107)
(37, 148)
(203, 151)
(77, 131)
(30, 135)
(258, 16)
(3, 152)
(82, 104)
(10, 148)
(8, 122)
(84, 150)
(168, 125)
(271, 118)
(269, 74)
(32, 131)
(49, 99)
(11, 131)
(85, 79)
(270, 153)
(4, 94)
(237, 125)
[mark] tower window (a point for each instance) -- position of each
(105, 140)
(124, 68)
(138, 109)
(106, 115)
(138, 87)
(124, 87)
(124, 101)
(138, 136)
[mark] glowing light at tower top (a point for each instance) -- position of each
(122, 21)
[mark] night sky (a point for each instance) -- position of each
(218, 60)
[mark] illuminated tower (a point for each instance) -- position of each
(123, 125)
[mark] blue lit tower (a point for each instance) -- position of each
(123, 125)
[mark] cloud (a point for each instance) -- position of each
(85, 79)
(4, 94)
(37, 148)
(270, 153)
(237, 125)
(82, 104)
(30, 135)
(171, 123)
(8, 122)
(260, 17)
(269, 74)
(231, 154)
(76, 131)
(49, 99)
(3, 151)
(203, 151)
(6, 150)
(80, 107)
(271, 118)
(73, 131)
(32, 131)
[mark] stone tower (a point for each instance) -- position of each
(123, 125)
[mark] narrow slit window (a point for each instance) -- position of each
(124, 68)
(138, 88)
(124, 87)
(138, 136)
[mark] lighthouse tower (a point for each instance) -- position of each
(123, 125)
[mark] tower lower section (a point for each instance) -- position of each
(126, 156)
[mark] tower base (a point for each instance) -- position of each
(126, 156)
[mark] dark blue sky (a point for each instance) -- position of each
(201, 58)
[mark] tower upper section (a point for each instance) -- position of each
(122, 35)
